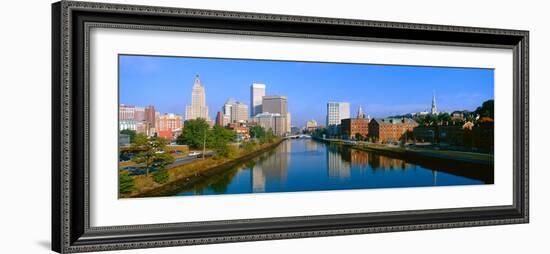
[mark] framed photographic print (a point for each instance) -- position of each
(181, 126)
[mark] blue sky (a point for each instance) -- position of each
(382, 90)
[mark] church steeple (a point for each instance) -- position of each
(434, 106)
(360, 113)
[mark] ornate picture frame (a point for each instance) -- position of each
(71, 24)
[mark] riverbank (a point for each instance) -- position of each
(187, 175)
(473, 165)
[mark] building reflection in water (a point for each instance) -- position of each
(363, 160)
(321, 166)
(378, 162)
(271, 168)
(336, 165)
(312, 146)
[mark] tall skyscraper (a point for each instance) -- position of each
(139, 114)
(239, 112)
(434, 106)
(336, 111)
(288, 123)
(198, 108)
(228, 106)
(150, 115)
(235, 110)
(257, 91)
(272, 121)
(275, 104)
(219, 119)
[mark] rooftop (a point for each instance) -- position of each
(395, 120)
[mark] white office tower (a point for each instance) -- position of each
(336, 111)
(257, 92)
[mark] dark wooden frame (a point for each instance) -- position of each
(71, 22)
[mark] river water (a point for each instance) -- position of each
(310, 165)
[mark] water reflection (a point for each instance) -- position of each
(308, 165)
(337, 165)
(273, 166)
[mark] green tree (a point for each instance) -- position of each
(427, 120)
(161, 176)
(319, 132)
(469, 116)
(487, 109)
(269, 137)
(443, 118)
(193, 133)
(150, 152)
(257, 132)
(160, 162)
(219, 139)
(125, 182)
(130, 133)
(358, 136)
(261, 134)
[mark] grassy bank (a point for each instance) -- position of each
(480, 158)
(187, 174)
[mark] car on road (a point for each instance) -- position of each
(175, 152)
(194, 154)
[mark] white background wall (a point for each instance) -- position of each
(25, 109)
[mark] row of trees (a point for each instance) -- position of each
(197, 134)
(485, 110)
(149, 152)
(259, 133)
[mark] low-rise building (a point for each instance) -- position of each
(457, 115)
(355, 128)
(391, 129)
(242, 131)
(166, 134)
(170, 122)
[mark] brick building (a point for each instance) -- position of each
(169, 122)
(391, 129)
(353, 127)
(242, 130)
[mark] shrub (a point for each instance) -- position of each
(161, 176)
(125, 182)
(249, 146)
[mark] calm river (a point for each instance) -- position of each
(309, 165)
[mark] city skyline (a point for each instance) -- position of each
(166, 83)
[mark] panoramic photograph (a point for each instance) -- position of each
(190, 126)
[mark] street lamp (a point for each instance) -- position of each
(204, 145)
